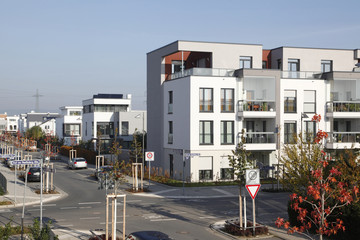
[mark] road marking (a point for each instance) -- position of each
(163, 219)
(46, 205)
(83, 203)
(96, 212)
(164, 191)
(5, 210)
(89, 218)
(207, 217)
(103, 223)
(84, 207)
(60, 220)
(67, 208)
(64, 226)
(222, 191)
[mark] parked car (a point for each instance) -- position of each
(147, 235)
(10, 161)
(34, 174)
(77, 163)
(99, 173)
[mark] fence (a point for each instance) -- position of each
(3, 183)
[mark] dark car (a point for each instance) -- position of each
(148, 235)
(34, 174)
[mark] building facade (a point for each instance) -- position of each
(68, 125)
(202, 96)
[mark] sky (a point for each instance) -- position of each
(70, 50)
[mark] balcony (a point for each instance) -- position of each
(256, 109)
(300, 75)
(342, 140)
(214, 72)
(343, 109)
(260, 141)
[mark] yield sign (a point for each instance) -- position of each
(253, 190)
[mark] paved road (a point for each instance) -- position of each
(165, 210)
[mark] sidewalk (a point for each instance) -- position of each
(17, 191)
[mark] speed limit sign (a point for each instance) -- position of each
(149, 156)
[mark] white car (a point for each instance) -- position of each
(77, 163)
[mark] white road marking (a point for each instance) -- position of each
(89, 218)
(70, 225)
(103, 223)
(83, 203)
(84, 207)
(59, 220)
(163, 219)
(46, 205)
(67, 208)
(5, 210)
(222, 191)
(207, 217)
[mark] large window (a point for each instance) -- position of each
(245, 62)
(205, 175)
(290, 101)
(71, 130)
(170, 135)
(293, 65)
(326, 65)
(227, 100)
(105, 129)
(206, 132)
(309, 101)
(206, 99)
(125, 128)
(226, 173)
(227, 132)
(289, 132)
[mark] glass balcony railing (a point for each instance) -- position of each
(344, 137)
(215, 72)
(256, 105)
(260, 137)
(309, 75)
(343, 106)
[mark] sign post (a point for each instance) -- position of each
(253, 186)
(149, 157)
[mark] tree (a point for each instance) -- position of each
(35, 133)
(240, 161)
(321, 189)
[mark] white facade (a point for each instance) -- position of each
(301, 82)
(68, 126)
(46, 121)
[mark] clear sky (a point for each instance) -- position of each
(72, 49)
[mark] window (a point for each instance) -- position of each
(226, 173)
(290, 101)
(171, 158)
(310, 131)
(75, 113)
(293, 65)
(206, 132)
(289, 132)
(176, 66)
(206, 99)
(205, 175)
(245, 62)
(125, 128)
(264, 64)
(170, 104)
(85, 128)
(71, 130)
(105, 129)
(326, 65)
(227, 132)
(279, 64)
(227, 100)
(170, 136)
(309, 101)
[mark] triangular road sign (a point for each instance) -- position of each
(253, 190)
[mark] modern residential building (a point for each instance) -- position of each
(202, 95)
(68, 125)
(47, 122)
(110, 115)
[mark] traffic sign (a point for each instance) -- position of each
(149, 156)
(26, 162)
(252, 176)
(253, 190)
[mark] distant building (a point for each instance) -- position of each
(202, 95)
(3, 122)
(110, 115)
(69, 125)
(47, 122)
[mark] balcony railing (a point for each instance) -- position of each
(308, 75)
(260, 137)
(256, 105)
(344, 137)
(343, 106)
(215, 72)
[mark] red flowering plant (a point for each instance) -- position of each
(324, 194)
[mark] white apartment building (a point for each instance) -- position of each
(68, 125)
(202, 95)
(110, 115)
(47, 122)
